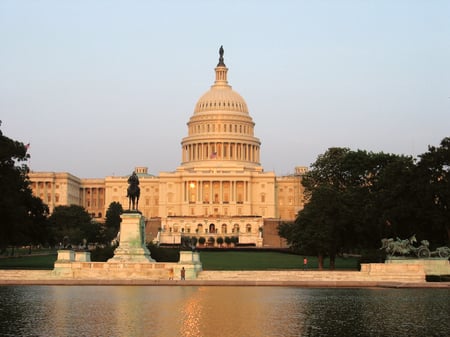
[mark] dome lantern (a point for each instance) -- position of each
(221, 71)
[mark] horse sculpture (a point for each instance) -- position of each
(406, 247)
(398, 246)
(133, 192)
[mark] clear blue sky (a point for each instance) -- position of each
(99, 87)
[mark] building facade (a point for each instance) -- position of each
(219, 190)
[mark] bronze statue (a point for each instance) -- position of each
(399, 247)
(221, 63)
(133, 192)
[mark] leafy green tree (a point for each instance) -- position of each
(315, 230)
(434, 188)
(36, 230)
(112, 221)
(71, 224)
(394, 209)
(22, 216)
(353, 195)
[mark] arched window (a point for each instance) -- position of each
(248, 228)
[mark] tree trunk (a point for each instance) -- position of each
(332, 261)
(320, 260)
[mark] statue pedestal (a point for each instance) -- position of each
(132, 246)
(431, 265)
(191, 263)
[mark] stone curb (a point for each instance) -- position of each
(301, 284)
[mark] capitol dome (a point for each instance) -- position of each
(221, 97)
(221, 129)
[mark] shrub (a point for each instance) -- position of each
(102, 254)
(220, 241)
(161, 254)
(201, 240)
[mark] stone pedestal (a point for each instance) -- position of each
(83, 256)
(432, 266)
(259, 242)
(132, 246)
(65, 255)
(191, 263)
(197, 263)
(63, 264)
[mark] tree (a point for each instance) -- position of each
(22, 216)
(112, 221)
(36, 229)
(352, 196)
(71, 224)
(434, 177)
(315, 230)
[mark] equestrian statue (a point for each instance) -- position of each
(133, 192)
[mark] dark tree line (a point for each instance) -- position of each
(355, 198)
(22, 215)
(25, 219)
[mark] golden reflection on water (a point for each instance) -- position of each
(172, 311)
(140, 311)
(231, 311)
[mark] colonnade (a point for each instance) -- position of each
(216, 192)
(222, 151)
(92, 197)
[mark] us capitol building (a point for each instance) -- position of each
(219, 190)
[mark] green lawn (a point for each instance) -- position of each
(28, 262)
(211, 260)
(235, 260)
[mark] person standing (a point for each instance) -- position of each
(305, 263)
(171, 274)
(183, 273)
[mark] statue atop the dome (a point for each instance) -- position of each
(221, 63)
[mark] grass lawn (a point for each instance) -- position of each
(236, 260)
(29, 262)
(211, 260)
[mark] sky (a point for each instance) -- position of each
(98, 87)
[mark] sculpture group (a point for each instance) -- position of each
(399, 247)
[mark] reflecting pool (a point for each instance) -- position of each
(221, 311)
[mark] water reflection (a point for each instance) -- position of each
(221, 311)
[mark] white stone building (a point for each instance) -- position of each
(220, 188)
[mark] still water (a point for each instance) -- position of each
(136, 311)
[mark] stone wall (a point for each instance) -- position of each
(77, 266)
(432, 266)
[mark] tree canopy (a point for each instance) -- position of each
(112, 221)
(72, 225)
(355, 198)
(22, 216)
